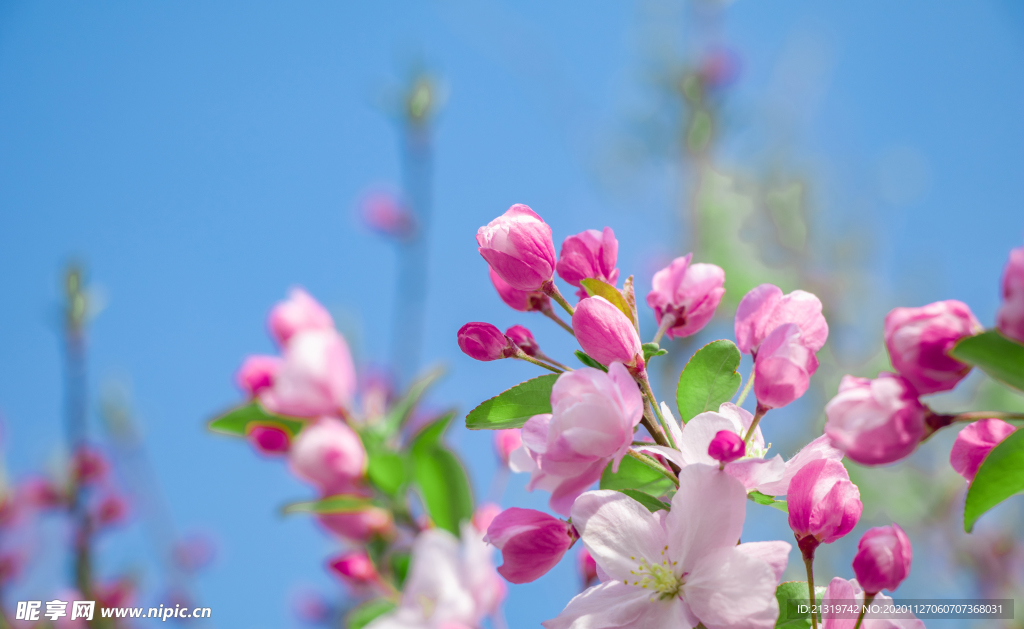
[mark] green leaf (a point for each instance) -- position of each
(647, 500)
(996, 355)
(764, 499)
(368, 612)
(794, 591)
(403, 409)
(511, 409)
(588, 361)
(633, 474)
(431, 434)
(651, 350)
(444, 487)
(709, 379)
(341, 503)
(1000, 476)
(240, 420)
(388, 471)
(400, 567)
(597, 288)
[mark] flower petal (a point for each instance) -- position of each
(775, 554)
(608, 606)
(820, 448)
(755, 472)
(617, 531)
(707, 513)
(729, 588)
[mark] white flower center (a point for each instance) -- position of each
(753, 452)
(660, 578)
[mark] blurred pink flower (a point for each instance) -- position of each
(385, 214)
(883, 558)
(506, 442)
(875, 421)
(973, 444)
(329, 455)
(918, 340)
(257, 373)
(360, 526)
(299, 313)
(316, 377)
(1010, 318)
(269, 440)
(843, 592)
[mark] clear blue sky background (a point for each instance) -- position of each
(202, 157)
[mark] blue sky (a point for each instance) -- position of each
(204, 157)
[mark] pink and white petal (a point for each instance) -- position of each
(674, 427)
(729, 589)
(743, 419)
(617, 531)
(607, 606)
(568, 491)
(535, 433)
(665, 451)
(840, 590)
(820, 448)
(775, 554)
(755, 472)
(697, 436)
(707, 514)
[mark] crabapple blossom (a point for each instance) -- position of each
(973, 444)
(875, 421)
(269, 440)
(590, 254)
(521, 300)
(883, 558)
(88, 465)
(354, 567)
(607, 335)
(111, 510)
(1010, 318)
(518, 247)
(783, 367)
(843, 592)
(360, 526)
(506, 442)
(676, 569)
(765, 308)
(483, 341)
(823, 504)
(726, 446)
(299, 313)
(385, 214)
(531, 543)
(484, 515)
(688, 294)
(591, 424)
(918, 340)
(257, 373)
(524, 340)
(316, 377)
(329, 455)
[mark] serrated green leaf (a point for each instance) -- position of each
(647, 500)
(240, 420)
(511, 408)
(368, 612)
(444, 487)
(1000, 476)
(588, 361)
(388, 471)
(998, 356)
(709, 379)
(764, 499)
(633, 474)
(341, 503)
(597, 288)
(651, 350)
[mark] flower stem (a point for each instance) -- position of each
(551, 314)
(530, 359)
(554, 362)
(667, 321)
(758, 414)
(746, 388)
(552, 291)
(809, 563)
(655, 431)
(867, 601)
(976, 415)
(654, 465)
(646, 387)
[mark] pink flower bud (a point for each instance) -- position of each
(587, 567)
(531, 543)
(883, 559)
(605, 333)
(507, 441)
(111, 510)
(589, 255)
(765, 308)
(974, 443)
(39, 493)
(483, 341)
(726, 446)
(116, 593)
(300, 312)
(1010, 318)
(875, 421)
(11, 564)
(823, 503)
(269, 440)
(385, 214)
(523, 339)
(521, 300)
(317, 376)
(783, 367)
(355, 568)
(689, 293)
(88, 466)
(592, 421)
(194, 552)
(519, 248)
(360, 526)
(918, 339)
(330, 455)
(484, 515)
(257, 373)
